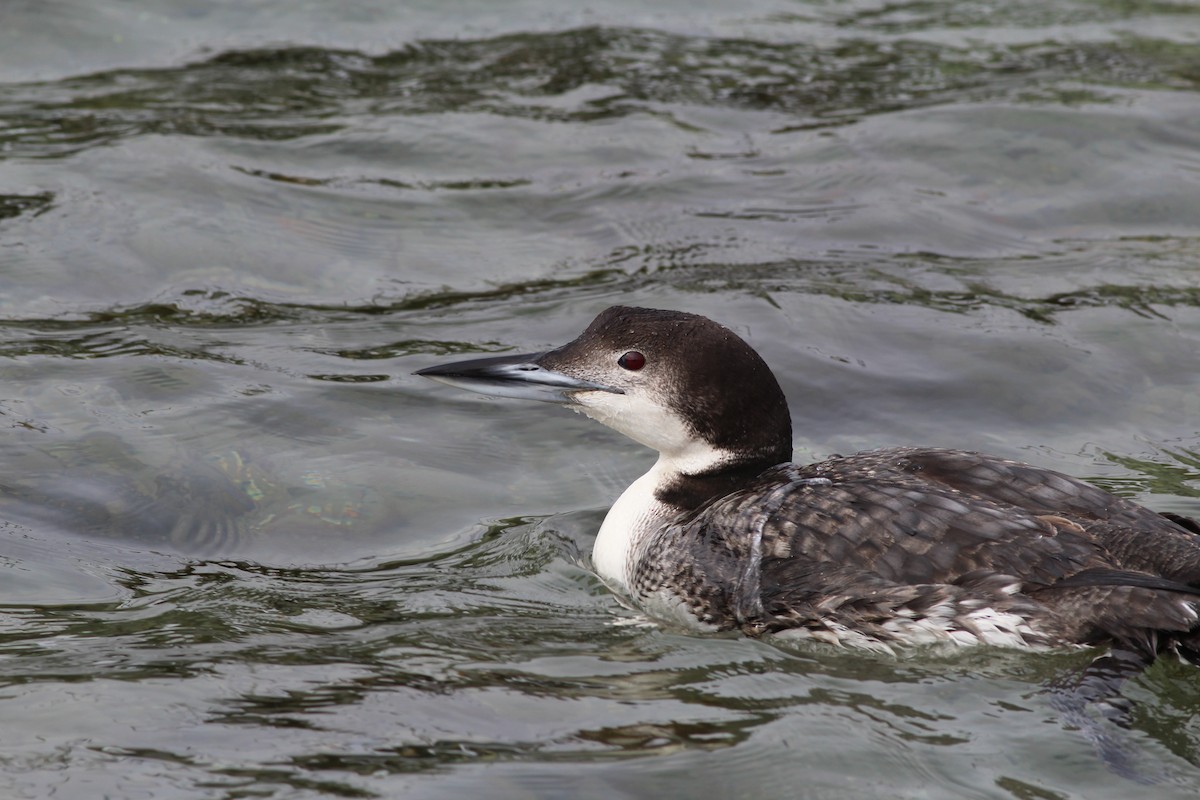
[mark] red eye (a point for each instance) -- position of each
(632, 361)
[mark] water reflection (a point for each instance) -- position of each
(293, 92)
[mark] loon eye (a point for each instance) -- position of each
(632, 361)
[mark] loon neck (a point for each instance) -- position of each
(687, 492)
(652, 501)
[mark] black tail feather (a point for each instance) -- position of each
(1187, 523)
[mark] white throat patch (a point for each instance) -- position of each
(655, 426)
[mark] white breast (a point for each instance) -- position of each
(630, 521)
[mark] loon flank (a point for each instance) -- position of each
(883, 548)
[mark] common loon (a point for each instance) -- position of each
(889, 547)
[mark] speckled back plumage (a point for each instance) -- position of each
(915, 544)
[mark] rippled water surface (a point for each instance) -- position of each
(246, 554)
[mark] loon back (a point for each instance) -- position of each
(875, 549)
(919, 545)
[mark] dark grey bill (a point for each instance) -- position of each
(512, 376)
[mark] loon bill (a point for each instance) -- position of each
(898, 546)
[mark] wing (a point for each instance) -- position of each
(905, 529)
(1121, 527)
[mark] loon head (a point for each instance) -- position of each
(676, 382)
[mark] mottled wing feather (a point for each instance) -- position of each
(906, 529)
(1175, 553)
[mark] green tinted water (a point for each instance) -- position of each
(246, 554)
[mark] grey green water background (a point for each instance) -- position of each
(244, 554)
